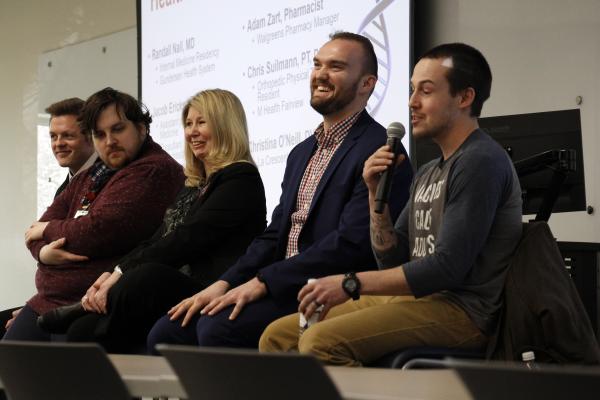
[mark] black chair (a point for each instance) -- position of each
(502, 380)
(35, 370)
(214, 373)
(426, 357)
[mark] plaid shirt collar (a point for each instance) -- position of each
(99, 171)
(336, 132)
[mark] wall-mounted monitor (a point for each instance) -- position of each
(524, 136)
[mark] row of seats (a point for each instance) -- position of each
(33, 371)
(76, 371)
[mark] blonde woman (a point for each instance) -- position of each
(212, 221)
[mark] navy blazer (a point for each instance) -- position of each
(335, 238)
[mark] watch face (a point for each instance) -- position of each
(350, 285)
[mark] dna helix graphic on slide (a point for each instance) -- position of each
(374, 28)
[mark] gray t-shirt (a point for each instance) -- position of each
(460, 228)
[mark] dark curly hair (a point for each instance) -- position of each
(126, 105)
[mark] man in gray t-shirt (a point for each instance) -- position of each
(442, 265)
(463, 222)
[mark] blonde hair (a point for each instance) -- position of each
(225, 117)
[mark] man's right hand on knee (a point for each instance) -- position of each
(193, 305)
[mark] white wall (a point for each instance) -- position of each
(29, 28)
(543, 54)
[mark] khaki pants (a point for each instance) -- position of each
(358, 332)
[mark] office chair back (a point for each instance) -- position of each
(500, 380)
(35, 370)
(213, 373)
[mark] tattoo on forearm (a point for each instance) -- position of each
(383, 236)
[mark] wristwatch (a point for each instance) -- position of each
(351, 285)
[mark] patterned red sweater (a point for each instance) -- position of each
(127, 210)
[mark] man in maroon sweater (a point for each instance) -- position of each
(72, 149)
(103, 213)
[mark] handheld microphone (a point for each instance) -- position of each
(395, 132)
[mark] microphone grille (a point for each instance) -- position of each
(396, 129)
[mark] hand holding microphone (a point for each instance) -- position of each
(395, 132)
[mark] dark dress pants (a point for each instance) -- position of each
(5, 316)
(218, 330)
(25, 328)
(135, 302)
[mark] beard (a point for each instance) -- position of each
(434, 127)
(336, 102)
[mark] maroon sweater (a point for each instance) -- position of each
(127, 210)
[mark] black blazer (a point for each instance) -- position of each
(216, 230)
(335, 238)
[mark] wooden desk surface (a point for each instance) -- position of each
(148, 376)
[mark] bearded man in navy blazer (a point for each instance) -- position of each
(321, 225)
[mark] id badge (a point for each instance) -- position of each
(80, 213)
